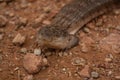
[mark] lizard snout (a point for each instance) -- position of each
(56, 40)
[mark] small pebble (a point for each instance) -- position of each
(3, 21)
(37, 51)
(110, 73)
(2, 30)
(40, 18)
(23, 50)
(21, 22)
(118, 27)
(46, 9)
(17, 68)
(94, 75)
(45, 61)
(108, 59)
(1, 70)
(99, 23)
(9, 14)
(117, 11)
(117, 77)
(85, 72)
(19, 39)
(78, 61)
(87, 30)
(1, 58)
(28, 77)
(1, 36)
(48, 53)
(84, 48)
(24, 4)
(64, 69)
(46, 22)
(65, 54)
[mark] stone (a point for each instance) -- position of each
(48, 53)
(117, 27)
(33, 63)
(1, 36)
(40, 18)
(117, 77)
(94, 75)
(1, 70)
(23, 4)
(110, 73)
(9, 14)
(16, 69)
(84, 48)
(1, 58)
(78, 61)
(46, 22)
(19, 39)
(86, 30)
(37, 51)
(28, 77)
(85, 72)
(108, 59)
(3, 21)
(21, 22)
(99, 23)
(117, 11)
(46, 9)
(23, 50)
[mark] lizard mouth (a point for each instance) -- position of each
(56, 39)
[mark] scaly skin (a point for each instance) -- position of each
(72, 17)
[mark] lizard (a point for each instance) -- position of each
(61, 33)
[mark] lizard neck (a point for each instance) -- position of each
(77, 13)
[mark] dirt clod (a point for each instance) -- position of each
(85, 72)
(33, 63)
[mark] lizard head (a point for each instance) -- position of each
(53, 37)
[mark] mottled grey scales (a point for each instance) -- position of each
(77, 10)
(60, 34)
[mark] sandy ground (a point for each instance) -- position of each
(97, 56)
